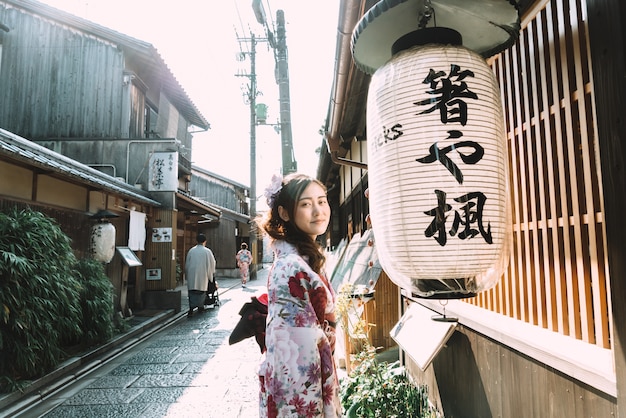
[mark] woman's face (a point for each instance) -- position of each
(311, 212)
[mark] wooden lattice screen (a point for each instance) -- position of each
(558, 275)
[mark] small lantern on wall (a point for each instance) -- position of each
(102, 240)
(437, 155)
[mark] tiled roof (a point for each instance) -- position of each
(20, 149)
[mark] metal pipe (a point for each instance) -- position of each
(146, 141)
(350, 13)
(105, 165)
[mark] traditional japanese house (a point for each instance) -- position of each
(110, 102)
(548, 338)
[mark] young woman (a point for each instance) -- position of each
(298, 375)
(244, 258)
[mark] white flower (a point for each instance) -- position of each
(272, 190)
(285, 348)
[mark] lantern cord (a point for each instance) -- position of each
(424, 16)
(443, 317)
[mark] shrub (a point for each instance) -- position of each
(39, 295)
(373, 388)
(379, 389)
(96, 302)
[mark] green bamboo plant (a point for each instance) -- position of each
(39, 295)
(96, 302)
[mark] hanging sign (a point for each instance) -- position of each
(161, 234)
(163, 172)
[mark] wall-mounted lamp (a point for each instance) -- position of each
(102, 240)
(437, 156)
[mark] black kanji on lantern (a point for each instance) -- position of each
(447, 96)
(449, 92)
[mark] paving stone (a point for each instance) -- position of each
(147, 358)
(155, 409)
(186, 370)
(141, 369)
(160, 395)
(194, 368)
(193, 357)
(112, 382)
(159, 351)
(187, 410)
(103, 396)
(163, 380)
(98, 411)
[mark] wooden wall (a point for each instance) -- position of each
(558, 275)
(75, 224)
(221, 240)
(607, 37)
(161, 255)
(475, 377)
(69, 86)
(383, 312)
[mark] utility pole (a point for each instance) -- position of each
(251, 94)
(252, 98)
(289, 163)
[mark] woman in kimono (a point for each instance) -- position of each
(297, 374)
(244, 258)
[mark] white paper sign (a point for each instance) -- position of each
(420, 336)
(163, 172)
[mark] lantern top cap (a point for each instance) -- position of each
(104, 214)
(487, 27)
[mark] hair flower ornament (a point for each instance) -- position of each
(272, 190)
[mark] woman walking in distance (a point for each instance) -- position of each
(244, 258)
(297, 374)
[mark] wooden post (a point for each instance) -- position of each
(607, 42)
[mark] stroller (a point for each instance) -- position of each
(212, 297)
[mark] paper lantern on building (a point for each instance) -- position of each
(102, 239)
(438, 167)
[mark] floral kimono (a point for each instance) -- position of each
(244, 258)
(297, 375)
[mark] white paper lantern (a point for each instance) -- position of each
(438, 171)
(102, 246)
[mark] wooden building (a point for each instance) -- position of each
(548, 339)
(225, 237)
(34, 177)
(110, 102)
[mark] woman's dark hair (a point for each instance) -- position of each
(272, 224)
(244, 245)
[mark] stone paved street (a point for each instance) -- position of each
(186, 370)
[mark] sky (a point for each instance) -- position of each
(201, 42)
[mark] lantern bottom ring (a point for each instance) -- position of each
(444, 318)
(444, 288)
